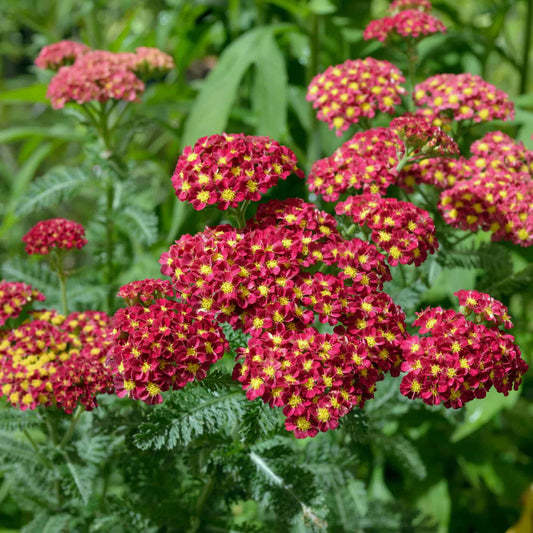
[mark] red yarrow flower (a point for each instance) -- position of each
(151, 62)
(145, 291)
(55, 233)
(464, 96)
(160, 347)
(14, 297)
(59, 54)
(485, 307)
(420, 137)
(367, 161)
(459, 360)
(229, 169)
(52, 360)
(402, 5)
(405, 24)
(406, 232)
(355, 89)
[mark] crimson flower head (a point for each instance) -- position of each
(403, 230)
(464, 96)
(145, 291)
(355, 89)
(367, 161)
(59, 54)
(458, 360)
(228, 169)
(52, 360)
(421, 137)
(160, 347)
(14, 297)
(405, 24)
(54, 233)
(484, 307)
(401, 5)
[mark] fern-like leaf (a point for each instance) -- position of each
(520, 281)
(184, 417)
(140, 224)
(56, 186)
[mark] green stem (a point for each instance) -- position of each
(528, 24)
(109, 248)
(314, 144)
(239, 213)
(73, 421)
(404, 160)
(412, 60)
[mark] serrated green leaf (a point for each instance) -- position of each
(54, 187)
(141, 225)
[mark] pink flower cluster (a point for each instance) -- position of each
(421, 137)
(52, 360)
(367, 161)
(402, 5)
(145, 291)
(495, 191)
(60, 54)
(459, 360)
(228, 169)
(440, 172)
(404, 231)
(54, 233)
(160, 347)
(484, 307)
(355, 89)
(260, 279)
(99, 75)
(14, 297)
(465, 96)
(405, 24)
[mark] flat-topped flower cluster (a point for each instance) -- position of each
(85, 75)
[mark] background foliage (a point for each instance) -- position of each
(216, 461)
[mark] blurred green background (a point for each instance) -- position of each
(245, 66)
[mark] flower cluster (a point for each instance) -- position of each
(459, 360)
(160, 347)
(229, 169)
(406, 232)
(52, 360)
(14, 297)
(145, 291)
(150, 62)
(402, 5)
(465, 96)
(99, 75)
(485, 307)
(409, 23)
(260, 279)
(316, 378)
(367, 161)
(54, 233)
(421, 137)
(95, 76)
(355, 89)
(440, 172)
(495, 191)
(59, 54)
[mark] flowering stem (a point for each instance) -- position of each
(57, 265)
(73, 421)
(404, 160)
(314, 144)
(412, 60)
(239, 213)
